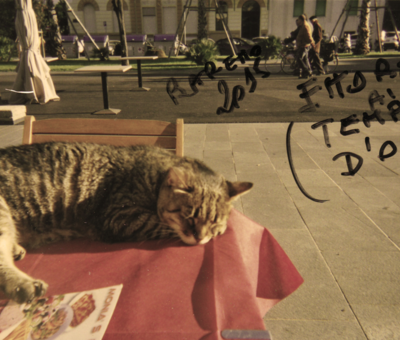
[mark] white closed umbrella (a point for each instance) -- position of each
(33, 72)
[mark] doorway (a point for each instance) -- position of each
(250, 19)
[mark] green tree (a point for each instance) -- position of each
(202, 21)
(7, 19)
(47, 22)
(62, 15)
(362, 43)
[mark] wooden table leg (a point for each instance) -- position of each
(106, 110)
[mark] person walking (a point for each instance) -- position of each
(314, 52)
(304, 42)
(289, 40)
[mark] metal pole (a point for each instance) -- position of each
(344, 23)
(337, 22)
(225, 29)
(394, 24)
(139, 69)
(185, 17)
(377, 27)
(77, 48)
(80, 23)
(177, 29)
(105, 89)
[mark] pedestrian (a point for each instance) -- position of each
(347, 42)
(308, 21)
(314, 52)
(304, 42)
(293, 36)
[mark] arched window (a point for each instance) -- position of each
(89, 16)
(222, 14)
(250, 19)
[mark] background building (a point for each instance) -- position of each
(246, 18)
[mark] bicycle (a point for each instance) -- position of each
(328, 55)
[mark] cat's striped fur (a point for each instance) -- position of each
(58, 191)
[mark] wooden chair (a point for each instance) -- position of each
(120, 132)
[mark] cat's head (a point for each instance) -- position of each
(195, 202)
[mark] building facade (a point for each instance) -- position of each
(245, 18)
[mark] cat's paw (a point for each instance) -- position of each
(18, 252)
(25, 290)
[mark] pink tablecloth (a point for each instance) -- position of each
(173, 291)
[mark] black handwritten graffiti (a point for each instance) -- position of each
(376, 115)
(382, 156)
(386, 71)
(310, 106)
(172, 87)
(250, 77)
(367, 144)
(256, 52)
(352, 171)
(324, 129)
(210, 69)
(374, 97)
(337, 82)
(394, 111)
(345, 122)
(289, 154)
(357, 87)
(238, 94)
(391, 94)
(229, 62)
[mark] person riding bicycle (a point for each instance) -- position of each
(304, 42)
(314, 52)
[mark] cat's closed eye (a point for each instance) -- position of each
(174, 210)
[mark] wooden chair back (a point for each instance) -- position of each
(119, 132)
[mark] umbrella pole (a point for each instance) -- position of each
(80, 23)
(84, 48)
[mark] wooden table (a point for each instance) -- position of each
(139, 68)
(104, 70)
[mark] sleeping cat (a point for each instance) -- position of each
(59, 191)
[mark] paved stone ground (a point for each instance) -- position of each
(347, 249)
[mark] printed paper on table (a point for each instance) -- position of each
(83, 315)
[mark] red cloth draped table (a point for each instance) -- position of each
(171, 290)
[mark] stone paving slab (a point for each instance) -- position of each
(347, 249)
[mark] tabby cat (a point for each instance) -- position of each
(59, 191)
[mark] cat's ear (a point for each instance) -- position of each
(236, 189)
(177, 178)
